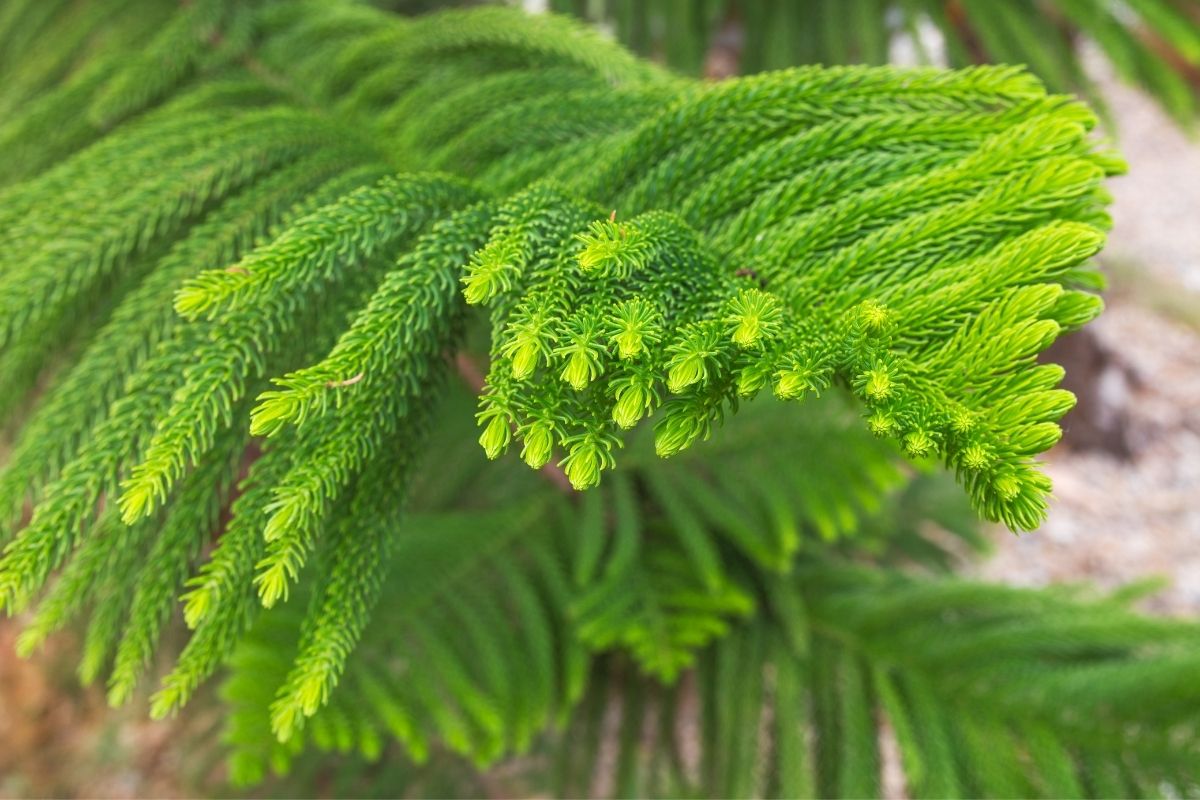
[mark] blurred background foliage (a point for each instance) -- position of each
(1154, 44)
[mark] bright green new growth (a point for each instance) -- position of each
(664, 266)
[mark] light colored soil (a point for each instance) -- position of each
(60, 740)
(1156, 206)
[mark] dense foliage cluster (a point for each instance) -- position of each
(241, 247)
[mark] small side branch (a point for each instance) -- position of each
(472, 376)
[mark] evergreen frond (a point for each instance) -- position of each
(474, 611)
(163, 64)
(219, 604)
(143, 318)
(1146, 41)
(253, 305)
(987, 691)
(236, 234)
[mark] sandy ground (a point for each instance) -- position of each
(1156, 206)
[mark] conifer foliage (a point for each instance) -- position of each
(1154, 44)
(245, 270)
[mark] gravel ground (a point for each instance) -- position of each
(1156, 206)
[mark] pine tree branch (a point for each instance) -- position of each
(913, 237)
(472, 376)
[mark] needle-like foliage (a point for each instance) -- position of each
(754, 323)
(1154, 44)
